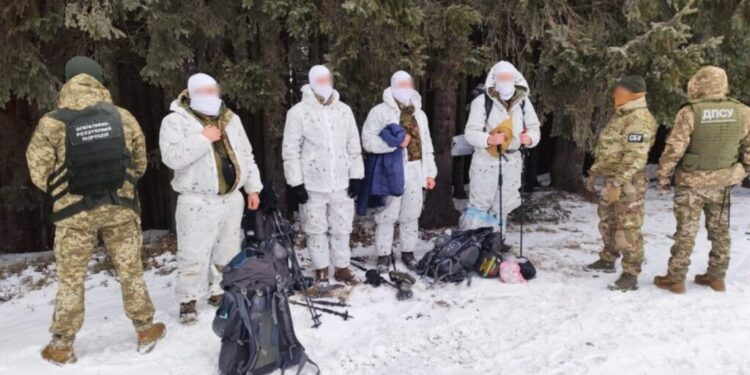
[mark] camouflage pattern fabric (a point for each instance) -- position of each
(689, 202)
(73, 248)
(409, 122)
(76, 236)
(708, 83)
(620, 225)
(623, 145)
(621, 155)
(223, 148)
(46, 153)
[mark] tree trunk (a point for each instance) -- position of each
(567, 166)
(439, 211)
(274, 114)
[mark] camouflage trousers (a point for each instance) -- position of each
(620, 225)
(688, 205)
(73, 249)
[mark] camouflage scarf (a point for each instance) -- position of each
(409, 122)
(223, 152)
(507, 104)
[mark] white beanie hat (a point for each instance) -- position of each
(198, 81)
(316, 72)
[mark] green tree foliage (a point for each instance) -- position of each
(570, 51)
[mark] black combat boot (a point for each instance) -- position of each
(600, 266)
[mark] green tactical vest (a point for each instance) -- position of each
(96, 160)
(717, 135)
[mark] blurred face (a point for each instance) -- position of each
(325, 80)
(212, 90)
(505, 77)
(620, 92)
(405, 84)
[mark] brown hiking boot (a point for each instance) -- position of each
(408, 259)
(666, 283)
(321, 276)
(188, 313)
(714, 283)
(384, 263)
(59, 351)
(345, 276)
(600, 266)
(215, 300)
(148, 338)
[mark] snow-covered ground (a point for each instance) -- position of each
(564, 322)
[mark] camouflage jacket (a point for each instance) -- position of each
(708, 83)
(623, 145)
(46, 152)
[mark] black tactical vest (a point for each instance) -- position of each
(96, 159)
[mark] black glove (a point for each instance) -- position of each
(300, 193)
(268, 199)
(354, 185)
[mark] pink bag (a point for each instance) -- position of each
(510, 272)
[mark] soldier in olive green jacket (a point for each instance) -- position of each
(708, 152)
(621, 155)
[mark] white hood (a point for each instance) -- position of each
(519, 81)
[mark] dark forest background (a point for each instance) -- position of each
(260, 50)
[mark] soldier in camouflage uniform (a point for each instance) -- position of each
(708, 151)
(621, 156)
(80, 220)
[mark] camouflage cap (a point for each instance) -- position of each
(83, 65)
(708, 82)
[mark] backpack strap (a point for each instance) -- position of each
(487, 106)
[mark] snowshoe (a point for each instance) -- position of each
(59, 351)
(625, 283)
(188, 313)
(600, 266)
(148, 338)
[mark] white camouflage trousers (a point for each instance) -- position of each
(404, 210)
(327, 222)
(484, 194)
(209, 235)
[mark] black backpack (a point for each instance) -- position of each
(254, 321)
(96, 160)
(454, 257)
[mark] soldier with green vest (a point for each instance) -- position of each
(708, 152)
(621, 155)
(87, 156)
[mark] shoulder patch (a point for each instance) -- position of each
(635, 138)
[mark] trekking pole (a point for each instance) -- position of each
(523, 150)
(296, 270)
(329, 303)
(343, 315)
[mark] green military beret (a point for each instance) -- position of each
(80, 65)
(633, 83)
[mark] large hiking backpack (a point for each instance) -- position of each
(254, 321)
(454, 258)
(96, 159)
